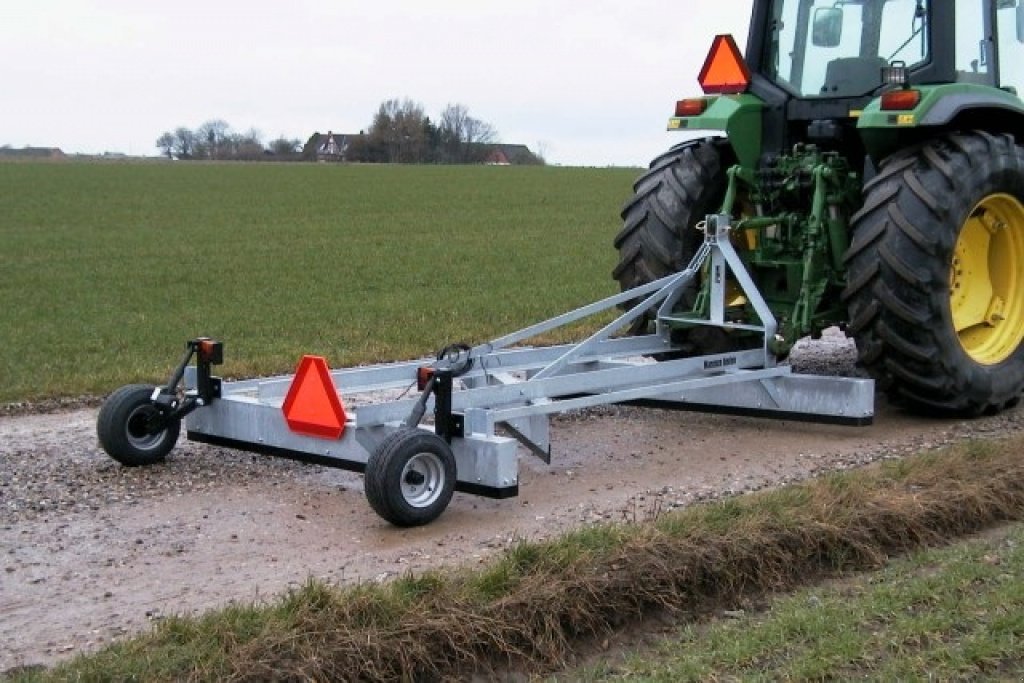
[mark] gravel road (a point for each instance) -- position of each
(91, 551)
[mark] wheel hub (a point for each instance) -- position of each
(422, 479)
(986, 280)
(140, 428)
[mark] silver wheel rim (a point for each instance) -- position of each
(422, 479)
(135, 430)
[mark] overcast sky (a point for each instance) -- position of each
(588, 83)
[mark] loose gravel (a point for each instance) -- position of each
(91, 551)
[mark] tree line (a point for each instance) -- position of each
(215, 140)
(400, 132)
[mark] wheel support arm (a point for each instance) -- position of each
(173, 407)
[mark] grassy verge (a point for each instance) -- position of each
(109, 268)
(532, 608)
(955, 613)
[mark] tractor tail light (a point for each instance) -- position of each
(900, 100)
(691, 107)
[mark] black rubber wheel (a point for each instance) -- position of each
(935, 275)
(125, 427)
(410, 477)
(659, 237)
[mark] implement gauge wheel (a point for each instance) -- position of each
(935, 278)
(131, 429)
(410, 477)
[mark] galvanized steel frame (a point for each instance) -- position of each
(508, 391)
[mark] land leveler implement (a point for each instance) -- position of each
(860, 167)
(485, 400)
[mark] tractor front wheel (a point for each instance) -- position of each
(935, 275)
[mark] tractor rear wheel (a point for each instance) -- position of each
(659, 236)
(935, 275)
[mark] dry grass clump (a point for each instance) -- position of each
(531, 607)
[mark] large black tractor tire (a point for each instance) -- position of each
(658, 236)
(125, 427)
(935, 275)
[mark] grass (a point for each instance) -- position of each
(955, 613)
(530, 610)
(109, 268)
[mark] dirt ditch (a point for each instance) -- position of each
(91, 551)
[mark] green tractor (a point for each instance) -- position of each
(870, 157)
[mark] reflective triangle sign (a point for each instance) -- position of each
(724, 70)
(312, 406)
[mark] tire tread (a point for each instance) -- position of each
(680, 188)
(112, 420)
(384, 468)
(898, 265)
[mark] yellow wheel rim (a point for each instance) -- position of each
(986, 280)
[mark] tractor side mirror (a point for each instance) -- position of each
(828, 27)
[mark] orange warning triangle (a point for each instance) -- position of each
(724, 71)
(312, 406)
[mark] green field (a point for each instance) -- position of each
(107, 269)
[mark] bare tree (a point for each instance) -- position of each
(215, 140)
(542, 153)
(166, 144)
(212, 139)
(400, 133)
(463, 138)
(184, 143)
(283, 147)
(452, 130)
(480, 135)
(246, 146)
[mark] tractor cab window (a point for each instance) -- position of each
(1010, 31)
(971, 53)
(837, 48)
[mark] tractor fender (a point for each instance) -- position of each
(738, 116)
(954, 106)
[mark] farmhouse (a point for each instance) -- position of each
(7, 152)
(329, 146)
(510, 155)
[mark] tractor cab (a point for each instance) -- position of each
(844, 49)
(822, 63)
